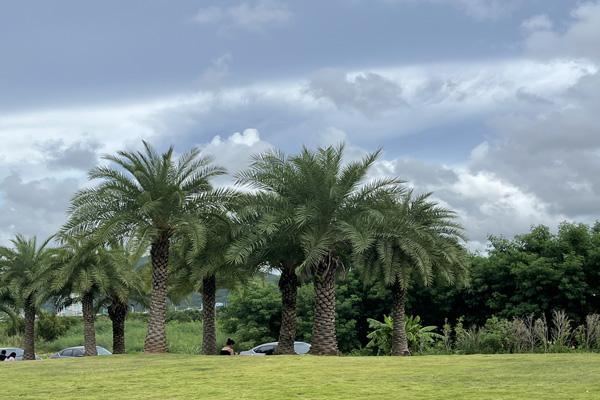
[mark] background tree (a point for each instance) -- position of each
(24, 269)
(153, 198)
(414, 240)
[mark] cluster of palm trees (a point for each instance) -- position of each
(308, 215)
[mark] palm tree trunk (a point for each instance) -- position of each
(288, 285)
(156, 339)
(117, 312)
(209, 331)
(324, 340)
(399, 340)
(29, 339)
(89, 331)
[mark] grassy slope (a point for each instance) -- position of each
(556, 376)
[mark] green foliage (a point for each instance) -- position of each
(420, 338)
(381, 335)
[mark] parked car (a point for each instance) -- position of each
(268, 349)
(78, 351)
(19, 352)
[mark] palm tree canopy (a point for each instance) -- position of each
(312, 200)
(146, 194)
(81, 266)
(415, 240)
(24, 269)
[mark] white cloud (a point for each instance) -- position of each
(254, 16)
(580, 39)
(235, 151)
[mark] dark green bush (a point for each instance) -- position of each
(50, 327)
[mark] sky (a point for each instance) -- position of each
(490, 104)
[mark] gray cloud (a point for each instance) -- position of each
(80, 155)
(35, 207)
(368, 92)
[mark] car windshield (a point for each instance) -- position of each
(102, 351)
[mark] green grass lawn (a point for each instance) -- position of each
(555, 376)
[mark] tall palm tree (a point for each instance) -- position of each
(320, 198)
(24, 271)
(125, 285)
(81, 268)
(154, 198)
(415, 240)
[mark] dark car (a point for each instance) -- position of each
(79, 351)
(19, 352)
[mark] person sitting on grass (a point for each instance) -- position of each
(12, 357)
(2, 355)
(227, 350)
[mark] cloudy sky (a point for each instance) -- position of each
(491, 104)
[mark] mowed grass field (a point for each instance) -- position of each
(554, 376)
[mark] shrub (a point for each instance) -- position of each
(50, 327)
(184, 315)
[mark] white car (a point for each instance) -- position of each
(267, 349)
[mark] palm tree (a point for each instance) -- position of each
(317, 199)
(266, 234)
(415, 240)
(201, 271)
(125, 284)
(82, 268)
(24, 271)
(155, 199)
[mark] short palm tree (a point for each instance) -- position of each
(125, 284)
(81, 268)
(24, 270)
(153, 198)
(266, 234)
(415, 240)
(200, 272)
(320, 199)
